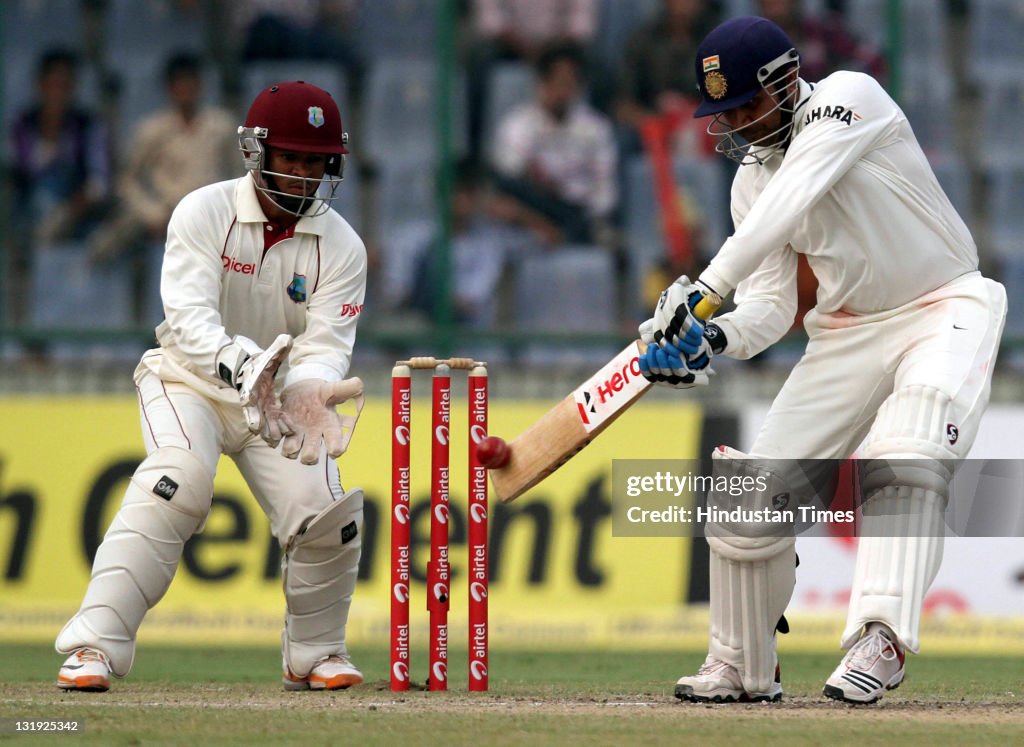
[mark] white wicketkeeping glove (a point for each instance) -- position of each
(251, 370)
(308, 409)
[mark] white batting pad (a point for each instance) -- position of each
(167, 500)
(902, 528)
(747, 599)
(752, 575)
(320, 566)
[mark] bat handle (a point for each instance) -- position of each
(707, 306)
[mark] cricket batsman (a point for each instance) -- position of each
(898, 364)
(262, 285)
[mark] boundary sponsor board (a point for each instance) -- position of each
(557, 573)
(559, 577)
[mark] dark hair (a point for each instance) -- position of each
(556, 53)
(55, 58)
(182, 64)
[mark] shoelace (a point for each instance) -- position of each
(710, 666)
(87, 654)
(870, 648)
(336, 658)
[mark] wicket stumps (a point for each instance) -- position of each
(438, 565)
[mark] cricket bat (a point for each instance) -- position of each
(564, 430)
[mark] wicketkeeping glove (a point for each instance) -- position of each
(308, 410)
(251, 370)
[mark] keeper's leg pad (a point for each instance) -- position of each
(905, 476)
(167, 500)
(752, 575)
(320, 566)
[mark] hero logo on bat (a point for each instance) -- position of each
(607, 391)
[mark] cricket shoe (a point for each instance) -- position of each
(718, 682)
(86, 669)
(874, 664)
(330, 673)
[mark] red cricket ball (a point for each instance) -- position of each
(493, 452)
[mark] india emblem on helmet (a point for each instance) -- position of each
(716, 85)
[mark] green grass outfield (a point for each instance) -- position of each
(228, 696)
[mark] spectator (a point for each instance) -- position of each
(523, 29)
(657, 79)
(297, 29)
(479, 248)
(60, 159)
(175, 151)
(825, 43)
(519, 30)
(555, 158)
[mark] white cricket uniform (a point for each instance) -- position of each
(218, 281)
(224, 274)
(902, 342)
(896, 268)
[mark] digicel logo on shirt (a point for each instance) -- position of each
(242, 268)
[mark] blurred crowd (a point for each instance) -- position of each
(580, 183)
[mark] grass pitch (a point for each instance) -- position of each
(229, 696)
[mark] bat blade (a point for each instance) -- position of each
(578, 419)
(570, 425)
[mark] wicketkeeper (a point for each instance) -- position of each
(262, 283)
(902, 343)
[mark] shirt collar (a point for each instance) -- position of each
(249, 210)
(806, 89)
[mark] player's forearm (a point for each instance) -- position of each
(753, 328)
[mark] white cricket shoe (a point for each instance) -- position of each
(330, 673)
(86, 669)
(874, 664)
(718, 682)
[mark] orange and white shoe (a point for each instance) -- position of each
(86, 669)
(330, 673)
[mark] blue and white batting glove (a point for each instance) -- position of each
(675, 322)
(712, 343)
(664, 365)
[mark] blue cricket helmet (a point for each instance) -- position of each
(736, 59)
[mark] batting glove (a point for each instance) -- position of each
(674, 319)
(664, 364)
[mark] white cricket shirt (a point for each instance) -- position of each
(855, 194)
(220, 280)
